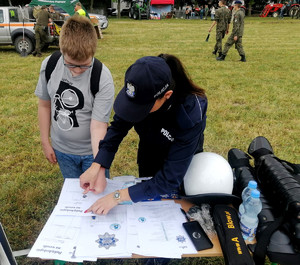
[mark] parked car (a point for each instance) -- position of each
(20, 33)
(114, 12)
(102, 20)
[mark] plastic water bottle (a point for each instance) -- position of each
(249, 219)
(252, 185)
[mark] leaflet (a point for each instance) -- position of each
(152, 228)
(73, 202)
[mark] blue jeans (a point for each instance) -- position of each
(72, 166)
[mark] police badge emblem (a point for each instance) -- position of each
(115, 226)
(142, 219)
(180, 239)
(106, 241)
(130, 90)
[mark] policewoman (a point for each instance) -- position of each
(168, 112)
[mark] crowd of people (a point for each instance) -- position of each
(203, 11)
(198, 11)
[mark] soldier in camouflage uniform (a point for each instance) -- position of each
(42, 19)
(236, 35)
(222, 19)
(55, 15)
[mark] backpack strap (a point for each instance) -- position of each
(51, 64)
(95, 75)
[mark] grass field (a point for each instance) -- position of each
(259, 97)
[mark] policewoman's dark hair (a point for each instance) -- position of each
(183, 84)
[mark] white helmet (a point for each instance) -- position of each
(208, 173)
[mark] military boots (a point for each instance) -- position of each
(221, 58)
(243, 58)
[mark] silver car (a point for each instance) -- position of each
(102, 20)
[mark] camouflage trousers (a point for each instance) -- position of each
(238, 45)
(219, 37)
(40, 38)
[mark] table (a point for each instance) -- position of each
(216, 251)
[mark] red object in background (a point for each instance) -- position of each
(162, 2)
(270, 9)
(275, 8)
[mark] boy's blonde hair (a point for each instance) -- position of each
(78, 38)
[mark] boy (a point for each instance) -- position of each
(77, 118)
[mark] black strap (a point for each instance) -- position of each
(264, 240)
(233, 246)
(51, 64)
(294, 168)
(95, 75)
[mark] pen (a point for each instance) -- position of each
(184, 213)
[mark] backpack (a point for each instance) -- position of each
(95, 76)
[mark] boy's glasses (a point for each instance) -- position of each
(77, 66)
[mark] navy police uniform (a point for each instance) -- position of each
(169, 137)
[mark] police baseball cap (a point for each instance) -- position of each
(145, 81)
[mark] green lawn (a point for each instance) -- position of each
(259, 97)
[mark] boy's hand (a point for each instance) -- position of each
(89, 177)
(100, 183)
(49, 153)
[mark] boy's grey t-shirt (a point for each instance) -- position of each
(73, 106)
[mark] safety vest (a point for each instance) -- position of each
(12, 13)
(81, 12)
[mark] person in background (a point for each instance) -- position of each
(206, 10)
(236, 34)
(40, 30)
(201, 12)
(168, 112)
(212, 13)
(76, 118)
(283, 10)
(222, 20)
(79, 10)
(187, 12)
(55, 15)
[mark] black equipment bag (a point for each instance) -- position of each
(233, 246)
(278, 180)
